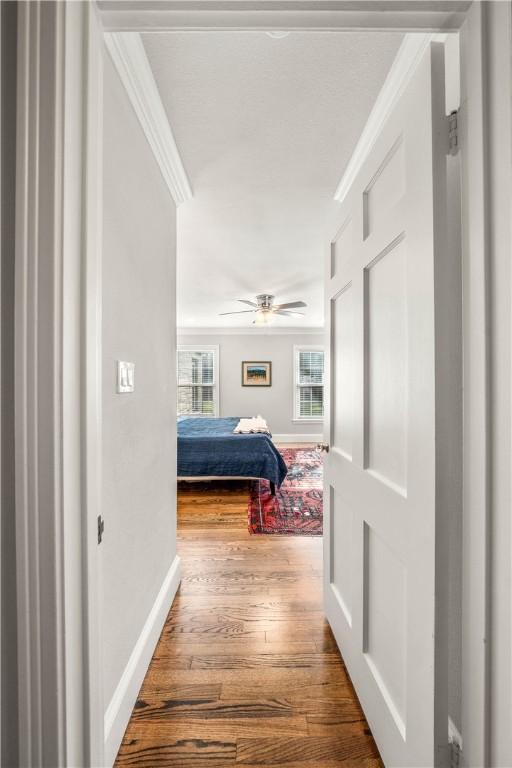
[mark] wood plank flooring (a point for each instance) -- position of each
(246, 670)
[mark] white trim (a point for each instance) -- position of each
(409, 54)
(184, 331)
(216, 376)
(28, 506)
(129, 56)
(55, 231)
(121, 705)
(477, 473)
(304, 15)
(91, 387)
(298, 438)
(297, 348)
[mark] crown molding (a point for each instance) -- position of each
(409, 54)
(130, 59)
(192, 331)
(282, 15)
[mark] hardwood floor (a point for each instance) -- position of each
(246, 670)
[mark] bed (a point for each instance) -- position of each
(208, 448)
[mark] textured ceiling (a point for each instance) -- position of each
(265, 128)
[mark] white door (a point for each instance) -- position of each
(387, 484)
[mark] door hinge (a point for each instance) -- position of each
(453, 132)
(101, 528)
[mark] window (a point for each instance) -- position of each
(197, 381)
(309, 383)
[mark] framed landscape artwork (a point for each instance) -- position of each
(256, 374)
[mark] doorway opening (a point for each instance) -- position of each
(266, 159)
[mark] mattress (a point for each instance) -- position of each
(207, 447)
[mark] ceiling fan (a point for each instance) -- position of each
(265, 308)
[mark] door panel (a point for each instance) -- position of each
(341, 572)
(385, 189)
(341, 248)
(383, 514)
(386, 341)
(343, 397)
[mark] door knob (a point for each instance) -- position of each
(323, 447)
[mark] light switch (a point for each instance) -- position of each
(125, 377)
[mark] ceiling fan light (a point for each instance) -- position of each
(263, 317)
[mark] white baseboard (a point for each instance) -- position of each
(297, 438)
(120, 708)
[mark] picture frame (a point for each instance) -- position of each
(256, 373)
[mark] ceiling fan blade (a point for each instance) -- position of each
(290, 314)
(290, 305)
(250, 303)
(241, 312)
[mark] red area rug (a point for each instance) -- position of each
(297, 507)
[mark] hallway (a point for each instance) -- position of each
(246, 670)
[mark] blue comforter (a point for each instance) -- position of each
(208, 447)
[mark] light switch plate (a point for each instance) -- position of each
(125, 377)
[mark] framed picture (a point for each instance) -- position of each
(256, 374)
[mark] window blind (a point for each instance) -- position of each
(309, 379)
(196, 382)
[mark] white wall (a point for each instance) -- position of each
(139, 432)
(275, 403)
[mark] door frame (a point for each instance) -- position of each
(65, 461)
(58, 382)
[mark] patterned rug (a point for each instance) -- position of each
(297, 507)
